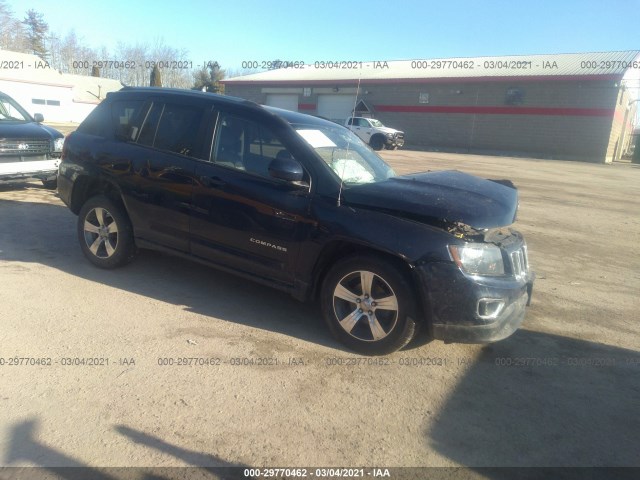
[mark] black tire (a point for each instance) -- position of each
(105, 233)
(342, 296)
(377, 142)
(50, 184)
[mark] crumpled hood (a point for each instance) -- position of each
(437, 197)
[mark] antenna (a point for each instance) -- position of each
(353, 111)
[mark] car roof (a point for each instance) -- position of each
(297, 118)
(287, 115)
(178, 92)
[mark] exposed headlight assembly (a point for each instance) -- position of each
(478, 258)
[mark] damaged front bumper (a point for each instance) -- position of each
(472, 309)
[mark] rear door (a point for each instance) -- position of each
(243, 218)
(168, 143)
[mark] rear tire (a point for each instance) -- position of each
(368, 305)
(105, 233)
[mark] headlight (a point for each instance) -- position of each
(389, 135)
(57, 144)
(478, 258)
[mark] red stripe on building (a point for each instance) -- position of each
(619, 116)
(35, 82)
(579, 112)
(382, 81)
(306, 106)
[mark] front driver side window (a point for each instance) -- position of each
(245, 145)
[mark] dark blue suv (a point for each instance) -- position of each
(303, 205)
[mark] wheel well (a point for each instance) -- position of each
(377, 136)
(86, 187)
(335, 251)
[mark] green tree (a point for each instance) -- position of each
(208, 78)
(37, 30)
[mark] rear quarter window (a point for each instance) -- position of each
(97, 122)
(112, 120)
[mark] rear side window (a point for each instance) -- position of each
(98, 122)
(173, 128)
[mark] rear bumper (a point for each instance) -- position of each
(455, 303)
(65, 187)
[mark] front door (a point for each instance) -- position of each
(242, 217)
(363, 129)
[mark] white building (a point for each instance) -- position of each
(60, 97)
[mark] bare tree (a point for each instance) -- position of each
(173, 63)
(13, 35)
(71, 53)
(131, 64)
(138, 56)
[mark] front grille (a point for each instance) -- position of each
(24, 146)
(519, 262)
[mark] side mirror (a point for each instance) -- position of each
(38, 117)
(286, 169)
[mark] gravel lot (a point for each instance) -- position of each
(562, 391)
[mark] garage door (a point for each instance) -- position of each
(288, 102)
(336, 107)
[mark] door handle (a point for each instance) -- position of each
(212, 182)
(284, 215)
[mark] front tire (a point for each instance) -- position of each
(377, 142)
(105, 233)
(368, 305)
(50, 184)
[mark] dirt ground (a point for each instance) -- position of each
(562, 391)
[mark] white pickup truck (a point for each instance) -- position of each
(374, 133)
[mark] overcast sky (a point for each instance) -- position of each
(234, 31)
